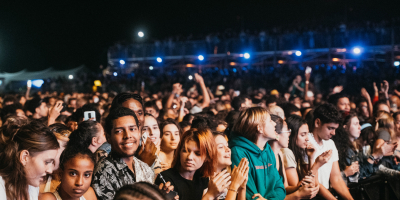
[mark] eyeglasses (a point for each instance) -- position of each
(288, 131)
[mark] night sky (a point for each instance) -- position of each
(66, 34)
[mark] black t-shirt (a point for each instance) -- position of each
(187, 189)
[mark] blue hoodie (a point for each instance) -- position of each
(263, 175)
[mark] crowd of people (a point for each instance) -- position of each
(307, 35)
(197, 143)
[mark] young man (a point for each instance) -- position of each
(325, 122)
(341, 101)
(37, 107)
(120, 167)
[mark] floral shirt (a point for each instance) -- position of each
(112, 173)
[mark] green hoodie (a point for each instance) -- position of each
(263, 175)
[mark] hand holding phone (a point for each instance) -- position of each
(89, 115)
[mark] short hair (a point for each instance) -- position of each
(334, 98)
(82, 137)
(327, 113)
(32, 104)
(124, 96)
(9, 110)
(289, 108)
(237, 102)
(115, 114)
(276, 110)
(271, 99)
(167, 122)
(247, 122)
(151, 104)
(279, 123)
(139, 190)
(207, 147)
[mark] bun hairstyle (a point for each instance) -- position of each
(140, 190)
(33, 137)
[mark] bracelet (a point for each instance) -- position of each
(232, 190)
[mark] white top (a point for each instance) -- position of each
(59, 198)
(33, 191)
(324, 172)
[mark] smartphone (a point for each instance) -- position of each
(89, 115)
(29, 83)
(64, 105)
(308, 70)
(144, 137)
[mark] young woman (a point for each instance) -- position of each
(26, 157)
(251, 132)
(239, 174)
(153, 130)
(193, 163)
(296, 157)
(309, 189)
(77, 165)
(170, 138)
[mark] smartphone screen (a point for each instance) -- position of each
(89, 115)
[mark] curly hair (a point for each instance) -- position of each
(140, 191)
(327, 113)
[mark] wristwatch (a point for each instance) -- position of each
(372, 158)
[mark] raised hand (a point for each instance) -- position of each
(364, 93)
(218, 183)
(352, 169)
(310, 149)
(323, 158)
(198, 78)
(147, 152)
(307, 191)
(177, 88)
(55, 112)
(385, 87)
(239, 175)
(168, 188)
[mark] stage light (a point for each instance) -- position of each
(201, 57)
(396, 63)
(151, 68)
(122, 62)
(140, 34)
(115, 74)
(246, 55)
(159, 59)
(190, 77)
(71, 76)
(298, 53)
(37, 83)
(356, 50)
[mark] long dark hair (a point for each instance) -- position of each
(34, 138)
(294, 122)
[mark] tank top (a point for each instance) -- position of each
(59, 198)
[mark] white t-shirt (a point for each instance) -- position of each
(33, 191)
(324, 172)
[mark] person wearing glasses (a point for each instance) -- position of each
(309, 188)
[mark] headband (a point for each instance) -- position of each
(365, 125)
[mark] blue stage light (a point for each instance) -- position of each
(246, 55)
(115, 74)
(356, 50)
(396, 63)
(298, 53)
(159, 59)
(122, 62)
(37, 83)
(201, 57)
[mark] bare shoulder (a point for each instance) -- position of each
(90, 195)
(47, 196)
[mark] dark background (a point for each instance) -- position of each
(65, 34)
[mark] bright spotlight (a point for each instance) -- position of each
(298, 53)
(356, 50)
(190, 77)
(151, 68)
(201, 57)
(396, 63)
(159, 59)
(122, 62)
(246, 55)
(71, 76)
(140, 34)
(115, 74)
(37, 83)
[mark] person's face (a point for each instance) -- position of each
(72, 103)
(125, 135)
(52, 101)
(364, 109)
(284, 136)
(77, 176)
(22, 101)
(298, 79)
(354, 128)
(39, 165)
(305, 105)
(223, 152)
(170, 138)
(397, 124)
(152, 111)
(268, 130)
(191, 159)
(248, 102)
(302, 136)
(327, 130)
(43, 110)
(20, 113)
(136, 106)
(152, 128)
(343, 104)
(383, 107)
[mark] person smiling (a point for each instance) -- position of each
(193, 163)
(251, 132)
(77, 166)
(26, 157)
(120, 167)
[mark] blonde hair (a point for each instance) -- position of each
(247, 123)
